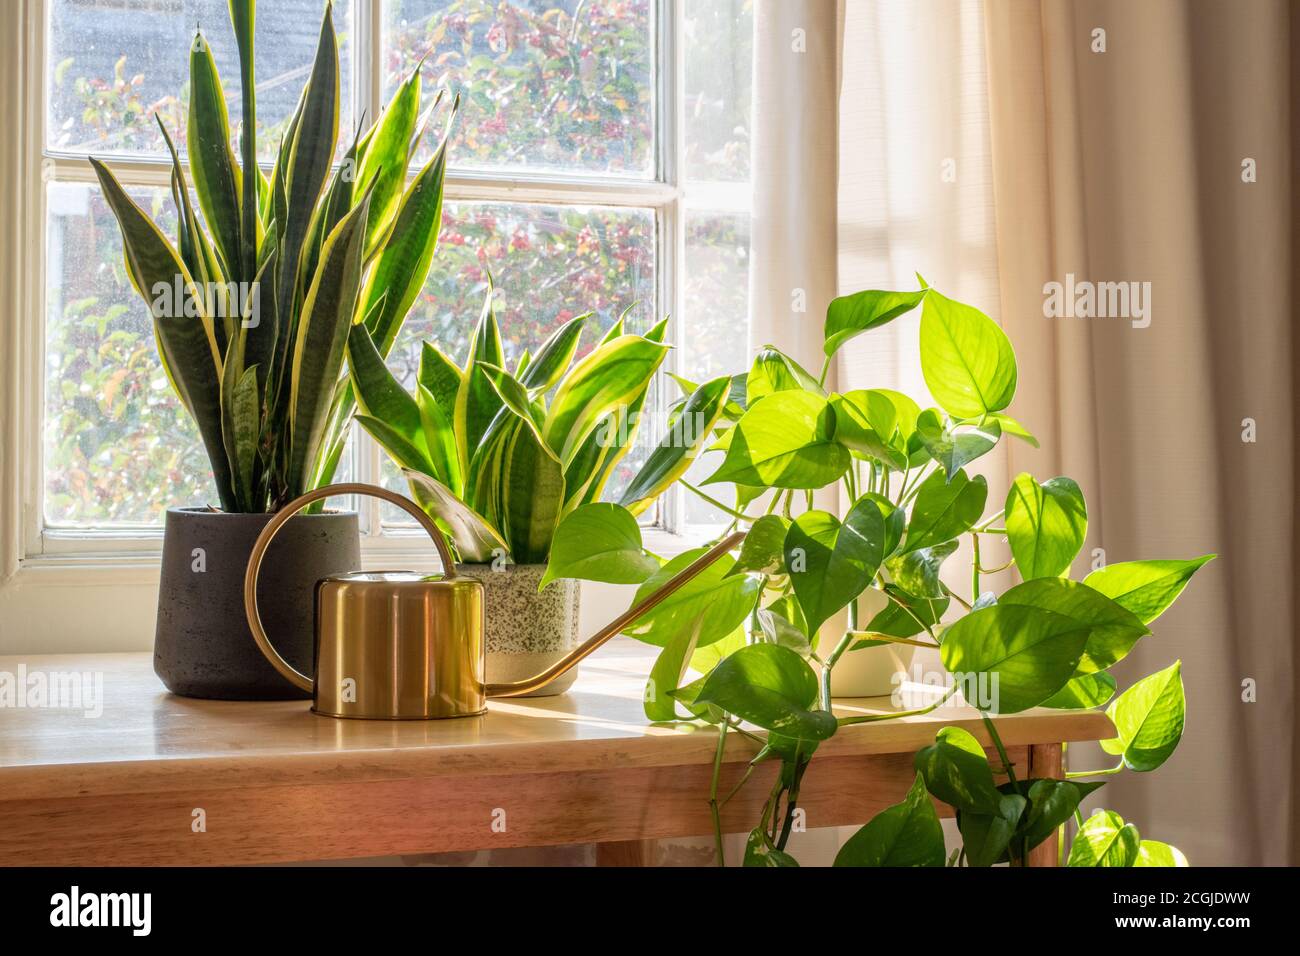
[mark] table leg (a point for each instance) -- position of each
(1045, 761)
(626, 853)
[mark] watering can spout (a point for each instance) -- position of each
(673, 584)
(405, 646)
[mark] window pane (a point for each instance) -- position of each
(545, 84)
(718, 52)
(118, 446)
(114, 63)
(718, 40)
(549, 263)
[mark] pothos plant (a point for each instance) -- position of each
(753, 627)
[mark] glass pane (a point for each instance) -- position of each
(545, 84)
(114, 63)
(549, 263)
(718, 41)
(714, 338)
(119, 448)
(717, 38)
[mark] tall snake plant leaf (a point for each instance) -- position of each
(555, 356)
(379, 394)
(532, 492)
(242, 14)
(475, 540)
(188, 349)
(609, 442)
(384, 161)
(217, 178)
(440, 438)
(477, 402)
(440, 375)
(321, 341)
(687, 432)
(611, 376)
(310, 155)
(195, 249)
(402, 265)
(239, 423)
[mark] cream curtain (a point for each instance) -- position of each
(985, 144)
(1129, 165)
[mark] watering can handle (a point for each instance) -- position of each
(287, 670)
(673, 584)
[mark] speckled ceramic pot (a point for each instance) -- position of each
(527, 631)
(202, 645)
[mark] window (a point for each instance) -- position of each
(600, 161)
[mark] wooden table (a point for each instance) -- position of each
(157, 779)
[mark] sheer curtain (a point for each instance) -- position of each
(991, 146)
(1155, 142)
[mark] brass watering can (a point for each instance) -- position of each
(399, 645)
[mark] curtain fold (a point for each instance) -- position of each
(1129, 163)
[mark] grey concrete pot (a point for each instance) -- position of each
(202, 645)
(527, 632)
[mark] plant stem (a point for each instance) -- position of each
(975, 569)
(872, 718)
(1011, 775)
(836, 654)
(1096, 773)
(956, 597)
(713, 793)
(792, 800)
(912, 614)
(890, 639)
(714, 501)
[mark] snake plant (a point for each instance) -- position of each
(487, 454)
(253, 301)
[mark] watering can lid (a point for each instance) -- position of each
(391, 577)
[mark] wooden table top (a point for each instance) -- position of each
(147, 740)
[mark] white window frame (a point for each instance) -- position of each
(120, 567)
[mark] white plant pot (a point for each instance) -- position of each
(872, 671)
(527, 631)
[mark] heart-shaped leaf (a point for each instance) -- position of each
(774, 371)
(832, 563)
(906, 834)
(778, 630)
(1113, 630)
(945, 508)
(1083, 692)
(917, 572)
(599, 542)
(1051, 803)
(1148, 719)
(1046, 524)
(1155, 853)
(785, 440)
(1105, 840)
(953, 446)
(771, 687)
(1032, 652)
(907, 615)
(763, 550)
(1146, 588)
(957, 771)
(986, 836)
(851, 315)
(967, 361)
(866, 422)
(722, 602)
